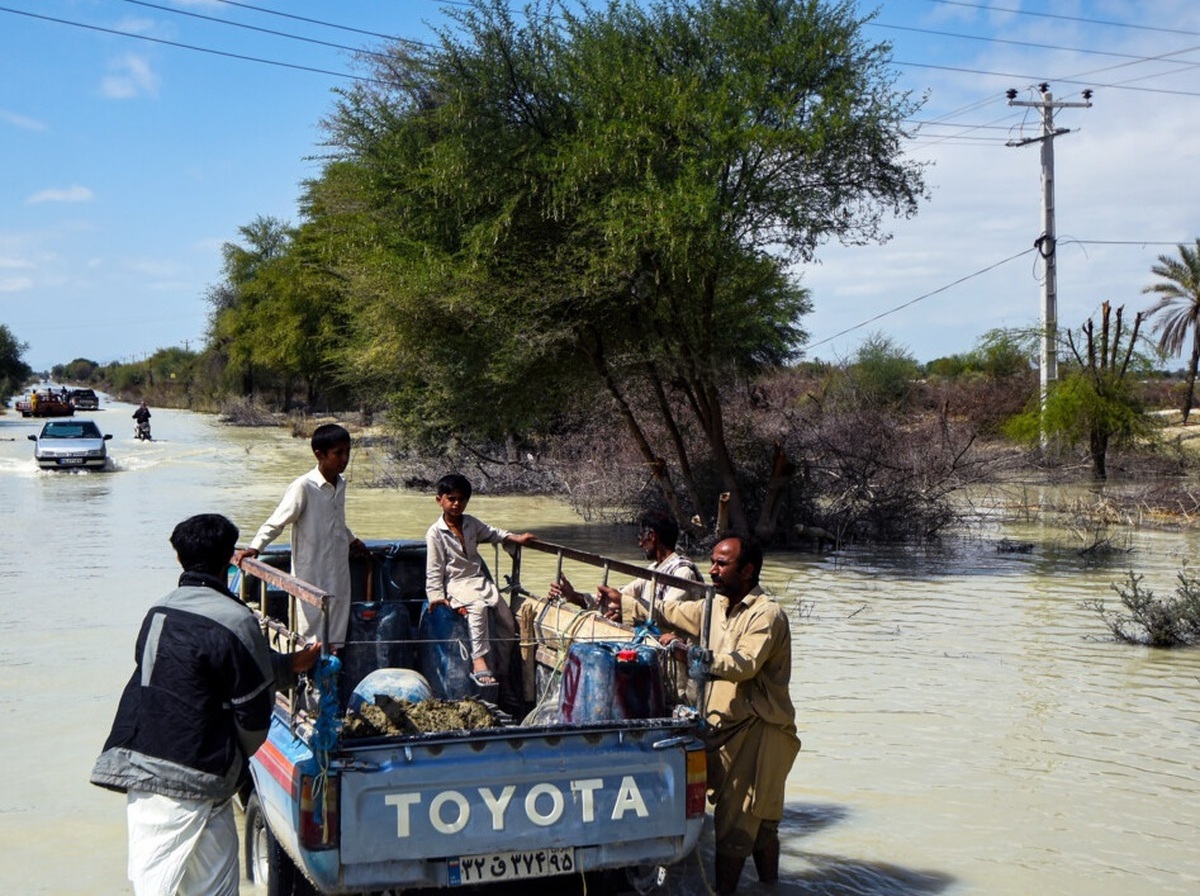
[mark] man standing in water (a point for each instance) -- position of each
(751, 737)
(196, 707)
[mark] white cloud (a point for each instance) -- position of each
(130, 76)
(74, 193)
(139, 25)
(15, 284)
(157, 268)
(21, 121)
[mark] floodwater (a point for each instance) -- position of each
(968, 727)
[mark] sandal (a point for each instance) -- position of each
(484, 678)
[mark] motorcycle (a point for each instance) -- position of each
(141, 430)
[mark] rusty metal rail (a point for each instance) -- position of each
(608, 564)
(295, 588)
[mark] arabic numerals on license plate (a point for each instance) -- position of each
(510, 865)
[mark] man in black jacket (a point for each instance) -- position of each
(196, 707)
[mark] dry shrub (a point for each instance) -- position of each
(246, 412)
(859, 474)
(875, 477)
(1154, 622)
(981, 402)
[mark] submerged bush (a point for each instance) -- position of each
(1152, 621)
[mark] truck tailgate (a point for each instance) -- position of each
(523, 791)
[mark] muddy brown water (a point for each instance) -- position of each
(968, 727)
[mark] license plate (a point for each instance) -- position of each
(70, 460)
(510, 866)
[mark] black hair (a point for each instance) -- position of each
(663, 525)
(749, 552)
(454, 482)
(327, 435)
(204, 543)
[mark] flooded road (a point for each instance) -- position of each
(968, 728)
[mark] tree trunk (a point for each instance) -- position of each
(714, 428)
(1189, 392)
(681, 454)
(1099, 449)
(781, 474)
(658, 467)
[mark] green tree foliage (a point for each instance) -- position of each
(998, 353)
(168, 377)
(81, 370)
(276, 314)
(607, 199)
(13, 369)
(881, 373)
(1179, 295)
(1096, 401)
(236, 328)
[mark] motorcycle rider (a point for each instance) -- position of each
(142, 416)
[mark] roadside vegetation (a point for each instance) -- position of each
(559, 254)
(13, 370)
(1153, 621)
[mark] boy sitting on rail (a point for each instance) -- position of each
(454, 575)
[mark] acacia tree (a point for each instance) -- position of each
(233, 329)
(1179, 292)
(613, 198)
(13, 369)
(276, 314)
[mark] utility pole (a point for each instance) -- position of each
(1046, 244)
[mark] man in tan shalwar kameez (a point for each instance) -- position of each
(751, 737)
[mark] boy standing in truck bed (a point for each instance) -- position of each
(314, 506)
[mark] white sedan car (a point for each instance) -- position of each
(70, 444)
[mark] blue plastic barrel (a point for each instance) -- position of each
(444, 653)
(638, 688)
(587, 682)
(378, 636)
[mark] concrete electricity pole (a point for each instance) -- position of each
(1046, 243)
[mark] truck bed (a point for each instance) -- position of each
(523, 799)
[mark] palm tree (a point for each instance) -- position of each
(1179, 290)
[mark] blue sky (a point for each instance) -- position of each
(129, 162)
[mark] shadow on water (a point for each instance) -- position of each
(801, 873)
(839, 876)
(831, 875)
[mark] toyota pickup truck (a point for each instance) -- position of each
(531, 796)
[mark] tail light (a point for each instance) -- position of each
(697, 781)
(319, 813)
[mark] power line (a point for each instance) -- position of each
(183, 46)
(920, 298)
(324, 24)
(273, 33)
(941, 289)
(1022, 78)
(1076, 242)
(1136, 58)
(987, 7)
